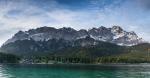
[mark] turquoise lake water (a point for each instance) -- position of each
(74, 71)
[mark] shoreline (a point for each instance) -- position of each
(82, 64)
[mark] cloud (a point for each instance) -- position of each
(18, 15)
(144, 4)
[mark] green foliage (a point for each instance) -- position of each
(8, 58)
(135, 54)
(60, 51)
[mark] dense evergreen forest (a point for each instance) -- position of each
(106, 53)
(8, 58)
(94, 55)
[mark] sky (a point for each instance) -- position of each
(131, 15)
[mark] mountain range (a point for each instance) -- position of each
(46, 40)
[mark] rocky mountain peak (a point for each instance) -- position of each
(113, 35)
(20, 33)
(116, 29)
(102, 28)
(67, 29)
(132, 33)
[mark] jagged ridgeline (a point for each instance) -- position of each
(100, 41)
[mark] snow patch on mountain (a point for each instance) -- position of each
(113, 35)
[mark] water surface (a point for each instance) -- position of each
(74, 71)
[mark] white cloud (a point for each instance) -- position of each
(27, 16)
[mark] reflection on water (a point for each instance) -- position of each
(4, 73)
(74, 71)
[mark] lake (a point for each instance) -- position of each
(74, 71)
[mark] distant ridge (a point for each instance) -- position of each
(113, 35)
(45, 40)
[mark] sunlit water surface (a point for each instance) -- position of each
(74, 71)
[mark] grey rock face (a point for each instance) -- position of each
(113, 35)
(101, 33)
